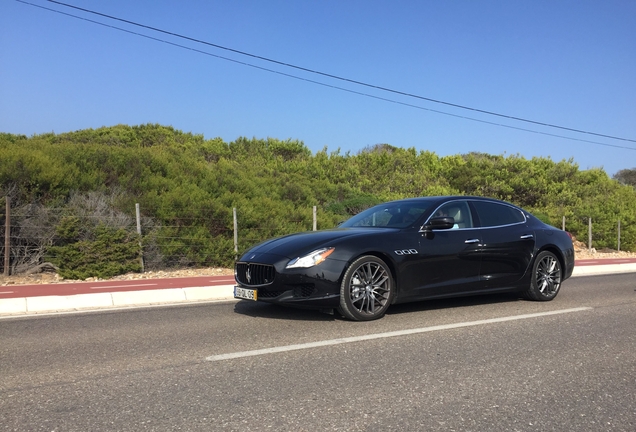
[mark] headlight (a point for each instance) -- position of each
(311, 259)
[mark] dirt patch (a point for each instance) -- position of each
(583, 252)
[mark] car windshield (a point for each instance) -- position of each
(389, 215)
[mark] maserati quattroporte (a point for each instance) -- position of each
(408, 250)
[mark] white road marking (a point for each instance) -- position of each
(7, 292)
(387, 335)
(123, 286)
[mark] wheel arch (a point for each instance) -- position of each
(384, 257)
(554, 250)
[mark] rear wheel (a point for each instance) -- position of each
(546, 277)
(366, 290)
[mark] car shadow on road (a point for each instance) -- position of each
(453, 303)
(274, 311)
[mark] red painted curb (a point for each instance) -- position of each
(72, 288)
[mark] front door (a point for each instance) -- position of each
(448, 260)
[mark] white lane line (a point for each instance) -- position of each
(387, 335)
(123, 286)
(7, 292)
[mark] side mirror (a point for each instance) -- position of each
(443, 222)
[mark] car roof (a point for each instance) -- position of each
(444, 198)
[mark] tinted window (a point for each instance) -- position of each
(494, 214)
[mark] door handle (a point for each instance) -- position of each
(471, 241)
(527, 236)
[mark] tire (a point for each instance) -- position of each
(367, 289)
(546, 277)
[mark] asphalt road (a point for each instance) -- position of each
(491, 363)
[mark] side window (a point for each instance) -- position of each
(459, 211)
(495, 214)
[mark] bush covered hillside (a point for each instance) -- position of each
(73, 195)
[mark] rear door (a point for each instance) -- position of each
(507, 243)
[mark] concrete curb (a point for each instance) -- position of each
(16, 307)
(592, 270)
(113, 300)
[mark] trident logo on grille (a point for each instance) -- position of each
(248, 274)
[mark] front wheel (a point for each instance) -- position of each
(546, 277)
(366, 290)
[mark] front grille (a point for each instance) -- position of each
(251, 274)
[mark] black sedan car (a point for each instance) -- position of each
(407, 250)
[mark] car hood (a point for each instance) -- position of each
(299, 244)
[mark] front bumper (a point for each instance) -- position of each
(315, 287)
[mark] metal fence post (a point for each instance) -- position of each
(315, 220)
(589, 234)
(619, 236)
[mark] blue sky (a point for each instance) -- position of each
(567, 63)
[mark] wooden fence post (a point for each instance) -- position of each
(141, 252)
(235, 234)
(7, 236)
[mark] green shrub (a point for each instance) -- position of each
(112, 252)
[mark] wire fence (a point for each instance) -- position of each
(31, 234)
(605, 236)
